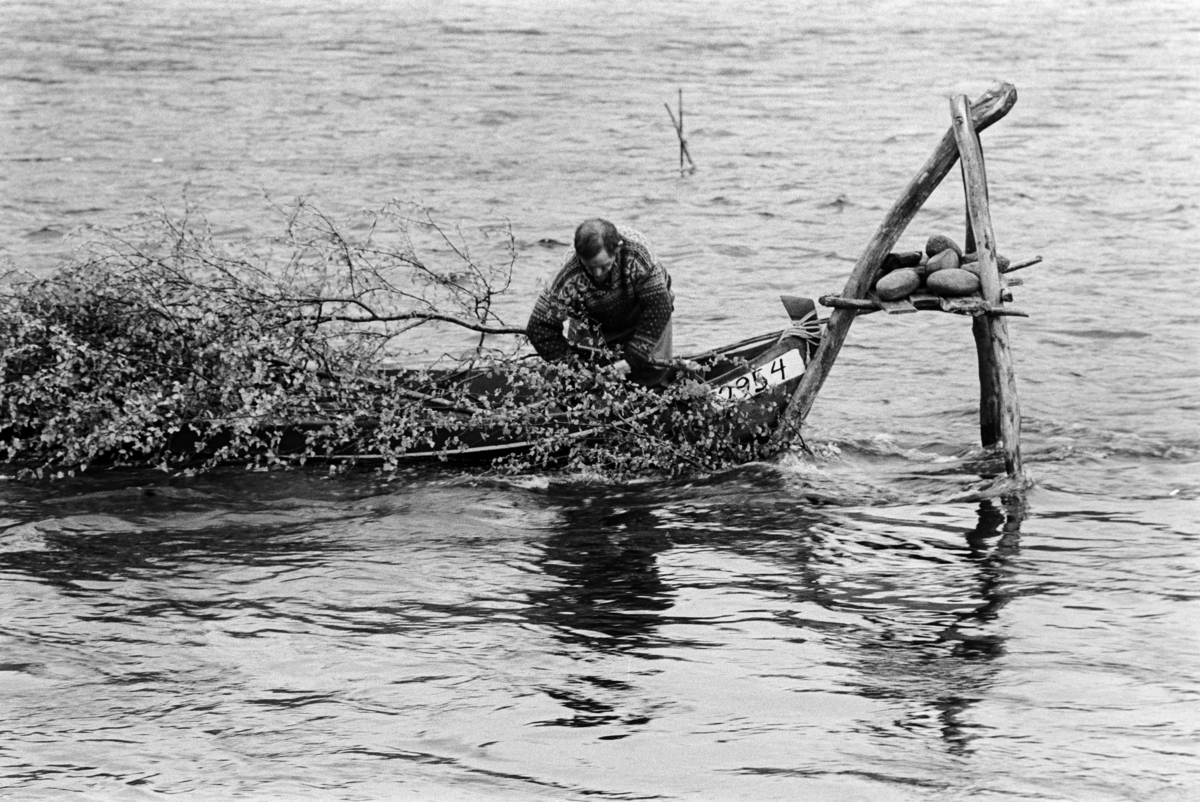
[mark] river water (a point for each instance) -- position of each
(873, 621)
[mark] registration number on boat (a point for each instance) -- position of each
(751, 383)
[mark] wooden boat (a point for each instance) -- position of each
(759, 374)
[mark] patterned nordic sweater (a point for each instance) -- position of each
(638, 297)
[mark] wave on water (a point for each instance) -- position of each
(876, 472)
(884, 470)
(1056, 441)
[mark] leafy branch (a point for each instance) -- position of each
(162, 346)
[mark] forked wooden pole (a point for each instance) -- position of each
(989, 406)
(989, 108)
(678, 123)
(682, 141)
(999, 411)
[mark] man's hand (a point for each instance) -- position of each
(688, 366)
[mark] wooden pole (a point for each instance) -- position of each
(678, 124)
(999, 411)
(969, 235)
(989, 397)
(989, 108)
(682, 141)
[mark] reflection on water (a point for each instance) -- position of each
(937, 645)
(608, 593)
(607, 598)
(924, 630)
(445, 633)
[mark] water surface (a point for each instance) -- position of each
(872, 621)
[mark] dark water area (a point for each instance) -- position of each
(877, 619)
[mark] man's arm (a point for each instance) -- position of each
(656, 316)
(545, 329)
(658, 303)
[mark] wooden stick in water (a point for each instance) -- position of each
(682, 141)
(999, 411)
(678, 123)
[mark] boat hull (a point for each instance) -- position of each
(758, 377)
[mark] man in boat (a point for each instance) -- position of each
(614, 294)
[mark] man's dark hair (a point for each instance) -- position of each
(594, 234)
